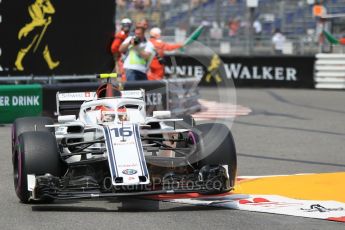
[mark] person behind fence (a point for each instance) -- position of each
(144, 23)
(120, 37)
(258, 30)
(156, 71)
(278, 41)
(139, 53)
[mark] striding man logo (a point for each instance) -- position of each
(213, 69)
(32, 35)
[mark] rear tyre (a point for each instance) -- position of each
(35, 153)
(27, 124)
(218, 149)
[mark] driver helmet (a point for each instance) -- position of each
(107, 114)
(122, 113)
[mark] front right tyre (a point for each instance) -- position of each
(35, 153)
(26, 124)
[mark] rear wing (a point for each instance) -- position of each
(68, 103)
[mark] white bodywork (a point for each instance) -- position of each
(122, 134)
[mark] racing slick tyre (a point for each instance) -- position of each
(36, 153)
(218, 149)
(27, 124)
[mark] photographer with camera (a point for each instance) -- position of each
(120, 37)
(138, 55)
(156, 71)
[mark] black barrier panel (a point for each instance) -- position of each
(260, 71)
(155, 91)
(60, 37)
(156, 97)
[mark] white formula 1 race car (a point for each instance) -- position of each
(113, 149)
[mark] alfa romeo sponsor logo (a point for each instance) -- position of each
(129, 171)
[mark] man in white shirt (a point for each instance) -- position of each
(138, 55)
(278, 41)
(258, 29)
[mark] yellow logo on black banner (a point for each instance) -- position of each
(213, 69)
(32, 34)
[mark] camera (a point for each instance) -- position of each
(136, 40)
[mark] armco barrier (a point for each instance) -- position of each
(330, 71)
(19, 101)
(180, 96)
